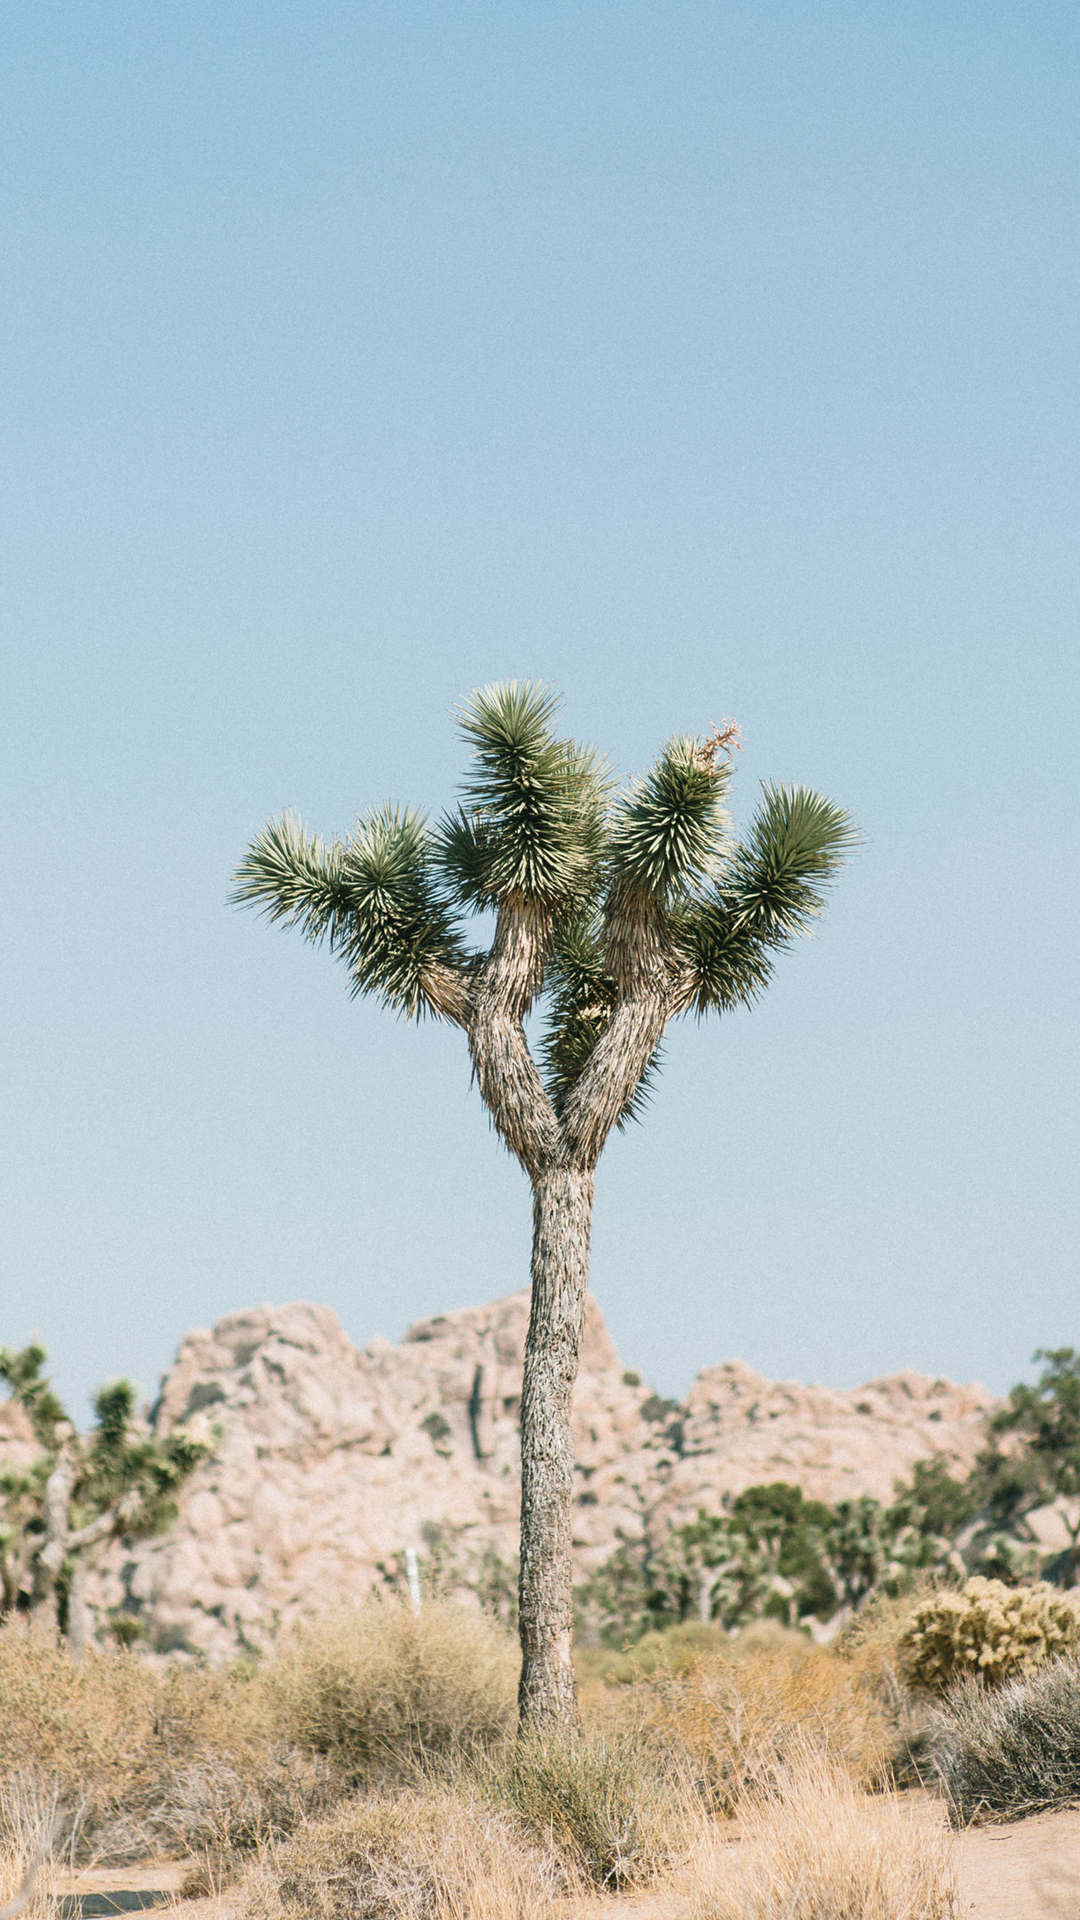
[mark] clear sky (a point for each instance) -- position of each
(702, 359)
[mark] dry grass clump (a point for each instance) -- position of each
(424, 1855)
(381, 1690)
(814, 1848)
(1001, 1755)
(182, 1760)
(82, 1727)
(145, 1759)
(222, 1808)
(31, 1827)
(609, 1802)
(988, 1631)
(740, 1722)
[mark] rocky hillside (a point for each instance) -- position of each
(332, 1460)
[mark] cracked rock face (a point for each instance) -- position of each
(332, 1460)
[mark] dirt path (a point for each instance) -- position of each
(1029, 1870)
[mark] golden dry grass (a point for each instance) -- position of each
(144, 1759)
(422, 1855)
(813, 1847)
(380, 1690)
(30, 1830)
(371, 1761)
(740, 1721)
(612, 1803)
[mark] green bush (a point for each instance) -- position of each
(383, 1692)
(986, 1631)
(1003, 1754)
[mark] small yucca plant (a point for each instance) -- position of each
(623, 910)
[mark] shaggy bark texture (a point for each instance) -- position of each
(562, 1219)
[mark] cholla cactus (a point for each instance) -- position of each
(622, 911)
(986, 1631)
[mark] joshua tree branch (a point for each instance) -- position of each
(639, 963)
(449, 992)
(506, 1073)
(105, 1525)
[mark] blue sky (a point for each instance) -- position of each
(699, 359)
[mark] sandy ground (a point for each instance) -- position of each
(1029, 1870)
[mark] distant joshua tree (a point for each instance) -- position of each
(59, 1513)
(623, 909)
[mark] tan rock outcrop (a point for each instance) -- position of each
(332, 1460)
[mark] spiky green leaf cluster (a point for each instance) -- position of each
(123, 1460)
(21, 1371)
(581, 996)
(581, 999)
(669, 828)
(399, 922)
(776, 878)
(532, 822)
(769, 889)
(294, 876)
(375, 897)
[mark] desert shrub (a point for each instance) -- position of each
(78, 1725)
(381, 1690)
(740, 1721)
(150, 1759)
(814, 1848)
(420, 1856)
(222, 1807)
(1010, 1752)
(987, 1631)
(608, 1801)
(680, 1649)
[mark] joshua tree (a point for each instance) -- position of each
(622, 909)
(59, 1513)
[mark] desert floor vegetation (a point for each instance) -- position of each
(373, 1768)
(1002, 1753)
(812, 1846)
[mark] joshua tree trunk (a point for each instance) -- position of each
(44, 1609)
(562, 1217)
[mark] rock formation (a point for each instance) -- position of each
(332, 1460)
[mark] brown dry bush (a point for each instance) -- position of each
(677, 1649)
(145, 1759)
(383, 1691)
(813, 1847)
(740, 1721)
(424, 1855)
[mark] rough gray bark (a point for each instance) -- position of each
(54, 1549)
(562, 1219)
(78, 1619)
